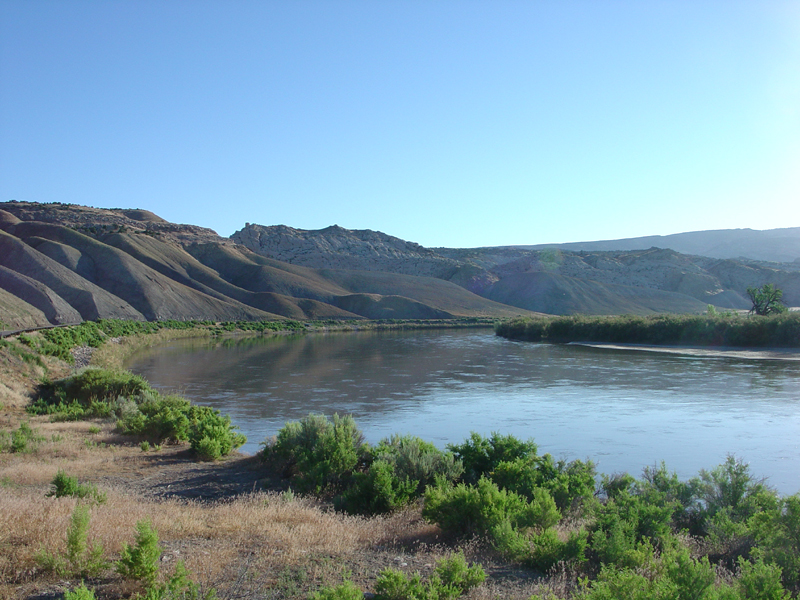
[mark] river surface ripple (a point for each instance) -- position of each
(623, 408)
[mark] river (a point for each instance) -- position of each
(623, 408)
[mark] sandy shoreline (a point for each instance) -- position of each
(787, 354)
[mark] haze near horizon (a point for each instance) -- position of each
(448, 124)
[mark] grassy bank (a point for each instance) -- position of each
(777, 331)
(322, 512)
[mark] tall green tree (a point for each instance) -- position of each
(767, 300)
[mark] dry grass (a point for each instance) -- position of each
(18, 379)
(267, 534)
(30, 521)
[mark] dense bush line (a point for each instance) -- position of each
(60, 340)
(139, 410)
(781, 330)
(722, 534)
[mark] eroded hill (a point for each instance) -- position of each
(67, 263)
(549, 280)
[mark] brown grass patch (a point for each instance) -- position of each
(213, 539)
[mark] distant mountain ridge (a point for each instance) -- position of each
(771, 245)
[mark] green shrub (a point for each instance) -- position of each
(79, 593)
(211, 434)
(165, 418)
(453, 571)
(465, 509)
(649, 515)
(401, 468)
(691, 578)
(65, 485)
(21, 440)
(379, 490)
(17, 350)
(178, 587)
(627, 584)
(628, 527)
(395, 585)
(207, 448)
(539, 550)
(346, 590)
(451, 578)
(777, 534)
(172, 419)
(658, 485)
(760, 581)
(568, 483)
(140, 561)
(730, 487)
(24, 439)
(103, 385)
(480, 456)
(81, 559)
(318, 454)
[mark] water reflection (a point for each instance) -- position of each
(623, 407)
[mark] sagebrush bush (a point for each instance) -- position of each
(400, 469)
(418, 460)
(480, 456)
(211, 434)
(465, 509)
(319, 454)
(567, 482)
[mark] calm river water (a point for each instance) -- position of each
(623, 408)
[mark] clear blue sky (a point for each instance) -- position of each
(448, 123)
